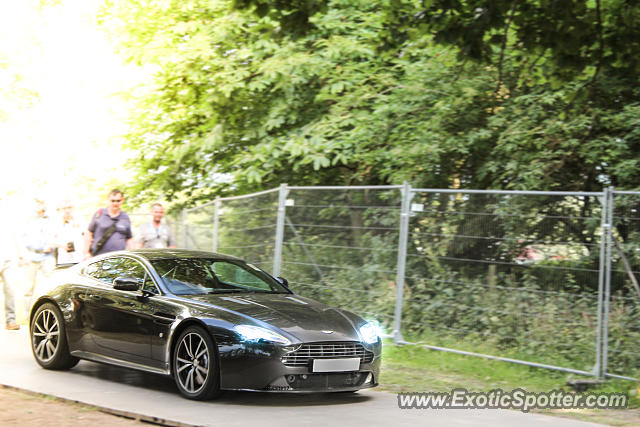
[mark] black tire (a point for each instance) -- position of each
(49, 340)
(195, 365)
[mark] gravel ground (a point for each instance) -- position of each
(24, 409)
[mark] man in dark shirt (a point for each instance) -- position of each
(110, 221)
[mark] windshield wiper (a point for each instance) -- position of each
(245, 291)
(226, 291)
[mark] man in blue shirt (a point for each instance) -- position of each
(109, 229)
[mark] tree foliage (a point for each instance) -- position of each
(479, 94)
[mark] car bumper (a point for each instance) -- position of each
(260, 367)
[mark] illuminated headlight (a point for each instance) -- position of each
(256, 333)
(369, 333)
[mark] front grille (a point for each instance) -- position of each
(304, 355)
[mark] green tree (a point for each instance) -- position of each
(480, 94)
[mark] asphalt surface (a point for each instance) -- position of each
(154, 398)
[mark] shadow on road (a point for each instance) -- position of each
(165, 384)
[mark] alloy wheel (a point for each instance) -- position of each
(46, 335)
(193, 362)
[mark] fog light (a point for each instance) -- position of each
(369, 379)
(353, 378)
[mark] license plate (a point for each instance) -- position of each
(336, 365)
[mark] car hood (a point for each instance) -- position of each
(300, 317)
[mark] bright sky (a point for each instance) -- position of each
(60, 112)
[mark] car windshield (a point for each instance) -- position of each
(197, 276)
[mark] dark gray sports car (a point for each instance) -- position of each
(211, 321)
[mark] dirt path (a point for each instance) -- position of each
(23, 409)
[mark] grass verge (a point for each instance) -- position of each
(412, 368)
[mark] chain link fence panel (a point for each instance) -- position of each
(340, 247)
(247, 228)
(624, 305)
(512, 275)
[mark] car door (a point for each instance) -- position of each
(120, 323)
(165, 314)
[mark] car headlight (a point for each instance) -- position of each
(369, 333)
(257, 333)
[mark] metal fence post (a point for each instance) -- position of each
(183, 220)
(216, 223)
(277, 254)
(597, 369)
(607, 283)
(402, 261)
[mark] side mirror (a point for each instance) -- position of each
(284, 282)
(126, 283)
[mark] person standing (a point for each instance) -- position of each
(37, 250)
(69, 238)
(155, 233)
(8, 254)
(109, 229)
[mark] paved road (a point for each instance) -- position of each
(155, 397)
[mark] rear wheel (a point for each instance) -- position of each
(49, 340)
(195, 366)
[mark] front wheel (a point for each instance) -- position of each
(195, 366)
(48, 339)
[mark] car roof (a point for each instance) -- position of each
(152, 254)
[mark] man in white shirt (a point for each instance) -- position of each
(36, 250)
(155, 233)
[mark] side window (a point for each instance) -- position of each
(92, 269)
(132, 268)
(110, 269)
